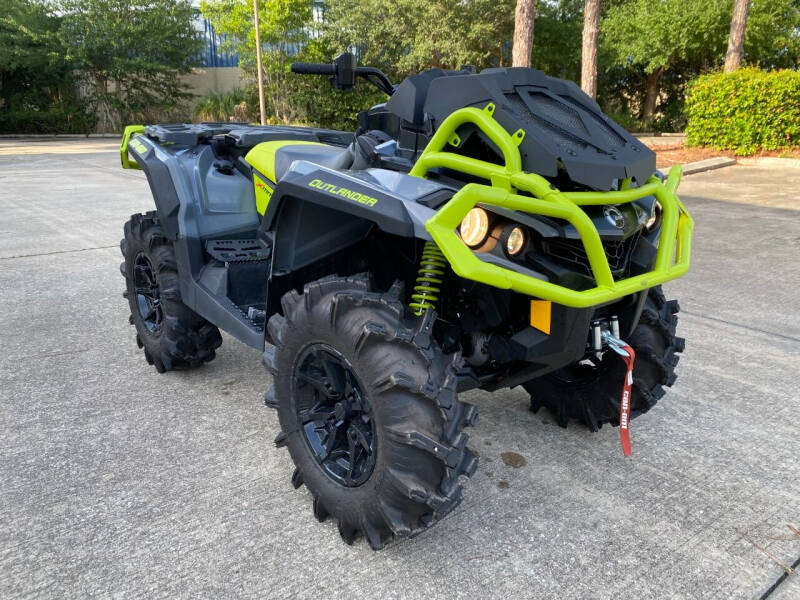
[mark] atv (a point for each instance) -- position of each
(479, 230)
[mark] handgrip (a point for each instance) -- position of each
(313, 68)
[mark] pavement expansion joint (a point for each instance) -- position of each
(784, 576)
(58, 252)
(740, 326)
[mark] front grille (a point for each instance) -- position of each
(572, 254)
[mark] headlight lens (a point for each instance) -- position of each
(474, 227)
(654, 216)
(515, 241)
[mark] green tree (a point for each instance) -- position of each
(37, 94)
(400, 37)
(557, 50)
(650, 46)
(284, 27)
(30, 51)
(407, 36)
(773, 34)
(130, 55)
(660, 36)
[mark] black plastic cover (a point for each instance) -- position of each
(243, 135)
(408, 100)
(566, 133)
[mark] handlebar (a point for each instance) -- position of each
(313, 68)
(343, 73)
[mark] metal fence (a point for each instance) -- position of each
(212, 55)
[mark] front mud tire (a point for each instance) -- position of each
(591, 394)
(420, 450)
(171, 334)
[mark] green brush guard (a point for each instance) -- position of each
(672, 258)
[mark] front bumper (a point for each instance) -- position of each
(674, 247)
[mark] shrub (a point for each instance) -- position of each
(744, 111)
(70, 118)
(316, 103)
(236, 105)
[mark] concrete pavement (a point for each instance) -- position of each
(117, 481)
(49, 145)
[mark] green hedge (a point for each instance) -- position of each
(744, 111)
(68, 119)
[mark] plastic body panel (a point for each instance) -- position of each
(195, 202)
(263, 156)
(273, 159)
(192, 197)
(316, 211)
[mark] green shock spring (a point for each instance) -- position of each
(432, 268)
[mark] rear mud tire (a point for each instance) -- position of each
(174, 337)
(591, 394)
(420, 450)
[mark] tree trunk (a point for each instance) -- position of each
(523, 33)
(733, 59)
(652, 90)
(591, 30)
(259, 66)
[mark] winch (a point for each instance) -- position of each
(605, 336)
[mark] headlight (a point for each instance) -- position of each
(474, 227)
(655, 215)
(515, 240)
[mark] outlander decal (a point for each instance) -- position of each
(344, 192)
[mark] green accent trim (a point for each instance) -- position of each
(125, 158)
(263, 191)
(672, 258)
(262, 156)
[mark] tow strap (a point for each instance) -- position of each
(628, 356)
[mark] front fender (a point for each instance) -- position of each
(315, 212)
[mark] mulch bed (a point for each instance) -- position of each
(678, 154)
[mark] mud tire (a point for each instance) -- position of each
(183, 339)
(421, 454)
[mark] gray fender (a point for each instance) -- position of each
(315, 212)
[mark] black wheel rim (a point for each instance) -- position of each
(148, 295)
(334, 415)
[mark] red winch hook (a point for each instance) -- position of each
(628, 356)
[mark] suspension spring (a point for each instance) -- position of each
(430, 276)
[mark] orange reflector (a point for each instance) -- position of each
(540, 315)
